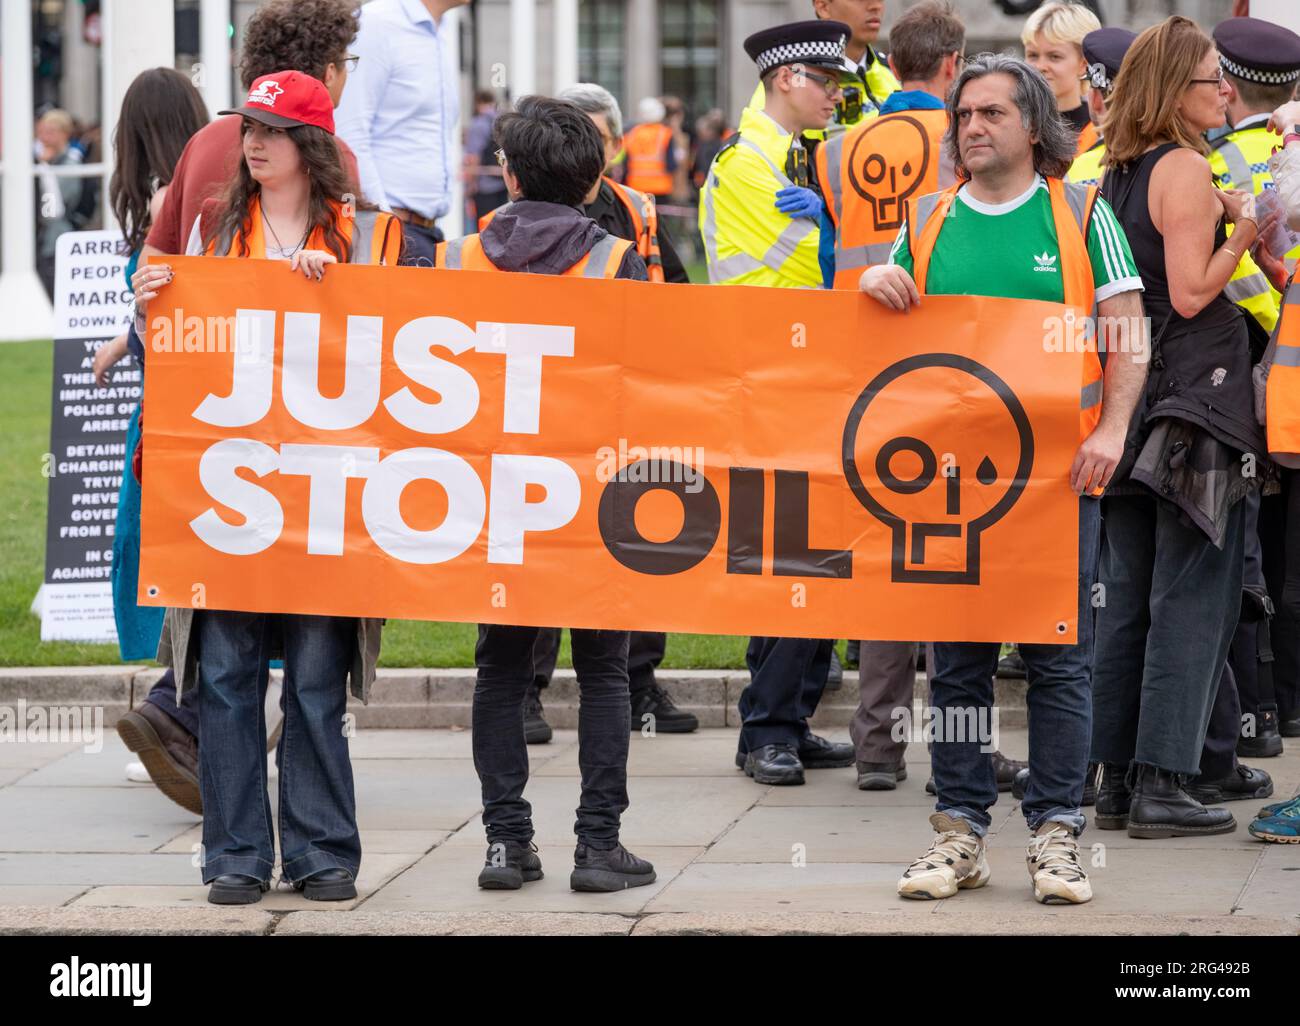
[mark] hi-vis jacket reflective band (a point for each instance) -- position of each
(1088, 138)
(647, 158)
(466, 254)
(376, 237)
(866, 175)
(1282, 397)
(1087, 167)
(1071, 208)
(645, 225)
(747, 241)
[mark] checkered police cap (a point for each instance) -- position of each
(816, 43)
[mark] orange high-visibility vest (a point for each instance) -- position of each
(866, 176)
(647, 159)
(1282, 395)
(645, 226)
(376, 236)
(1088, 138)
(466, 254)
(1071, 208)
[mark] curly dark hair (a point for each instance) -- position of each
(329, 181)
(297, 35)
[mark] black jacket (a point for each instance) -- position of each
(608, 211)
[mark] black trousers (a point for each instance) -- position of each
(645, 651)
(787, 678)
(504, 657)
(1279, 536)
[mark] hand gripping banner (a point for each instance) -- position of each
(514, 448)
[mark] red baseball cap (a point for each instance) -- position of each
(286, 99)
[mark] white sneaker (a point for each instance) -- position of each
(137, 774)
(1054, 866)
(954, 861)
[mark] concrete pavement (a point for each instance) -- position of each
(82, 850)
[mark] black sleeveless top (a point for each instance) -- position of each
(1201, 366)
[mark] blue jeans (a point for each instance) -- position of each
(318, 816)
(1059, 701)
(504, 657)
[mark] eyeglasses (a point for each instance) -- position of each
(829, 84)
(501, 157)
(351, 61)
(1216, 81)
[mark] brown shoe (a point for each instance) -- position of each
(169, 752)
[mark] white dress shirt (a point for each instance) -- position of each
(400, 107)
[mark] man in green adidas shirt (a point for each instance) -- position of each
(996, 234)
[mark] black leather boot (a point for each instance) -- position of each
(1160, 807)
(1264, 741)
(1113, 797)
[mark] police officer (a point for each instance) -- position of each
(760, 222)
(1261, 65)
(863, 72)
(1104, 50)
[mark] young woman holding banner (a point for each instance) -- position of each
(289, 201)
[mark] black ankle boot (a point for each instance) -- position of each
(1161, 808)
(1113, 797)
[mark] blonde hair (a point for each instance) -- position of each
(1060, 23)
(1143, 108)
(59, 119)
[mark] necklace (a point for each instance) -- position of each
(280, 245)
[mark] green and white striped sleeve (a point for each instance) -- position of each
(901, 253)
(1113, 269)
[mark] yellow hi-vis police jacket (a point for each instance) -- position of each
(874, 88)
(1239, 160)
(747, 241)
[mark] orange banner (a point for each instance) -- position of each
(513, 448)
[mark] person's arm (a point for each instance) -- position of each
(891, 284)
(355, 117)
(826, 249)
(1186, 208)
(1285, 164)
(1123, 334)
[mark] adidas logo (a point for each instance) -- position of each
(267, 93)
(1043, 262)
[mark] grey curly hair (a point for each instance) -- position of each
(1055, 143)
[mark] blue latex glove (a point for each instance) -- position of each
(799, 202)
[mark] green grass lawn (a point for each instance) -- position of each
(25, 437)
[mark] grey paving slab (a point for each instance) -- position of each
(673, 811)
(32, 755)
(90, 870)
(411, 744)
(376, 870)
(706, 753)
(446, 881)
(780, 887)
(1274, 886)
(80, 768)
(839, 787)
(51, 896)
(415, 794)
(87, 819)
(890, 834)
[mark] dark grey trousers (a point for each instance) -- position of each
(1165, 621)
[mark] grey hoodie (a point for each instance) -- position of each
(547, 238)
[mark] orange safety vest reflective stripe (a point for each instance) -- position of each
(1088, 138)
(645, 226)
(647, 159)
(868, 173)
(466, 254)
(1071, 208)
(1282, 395)
(376, 236)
